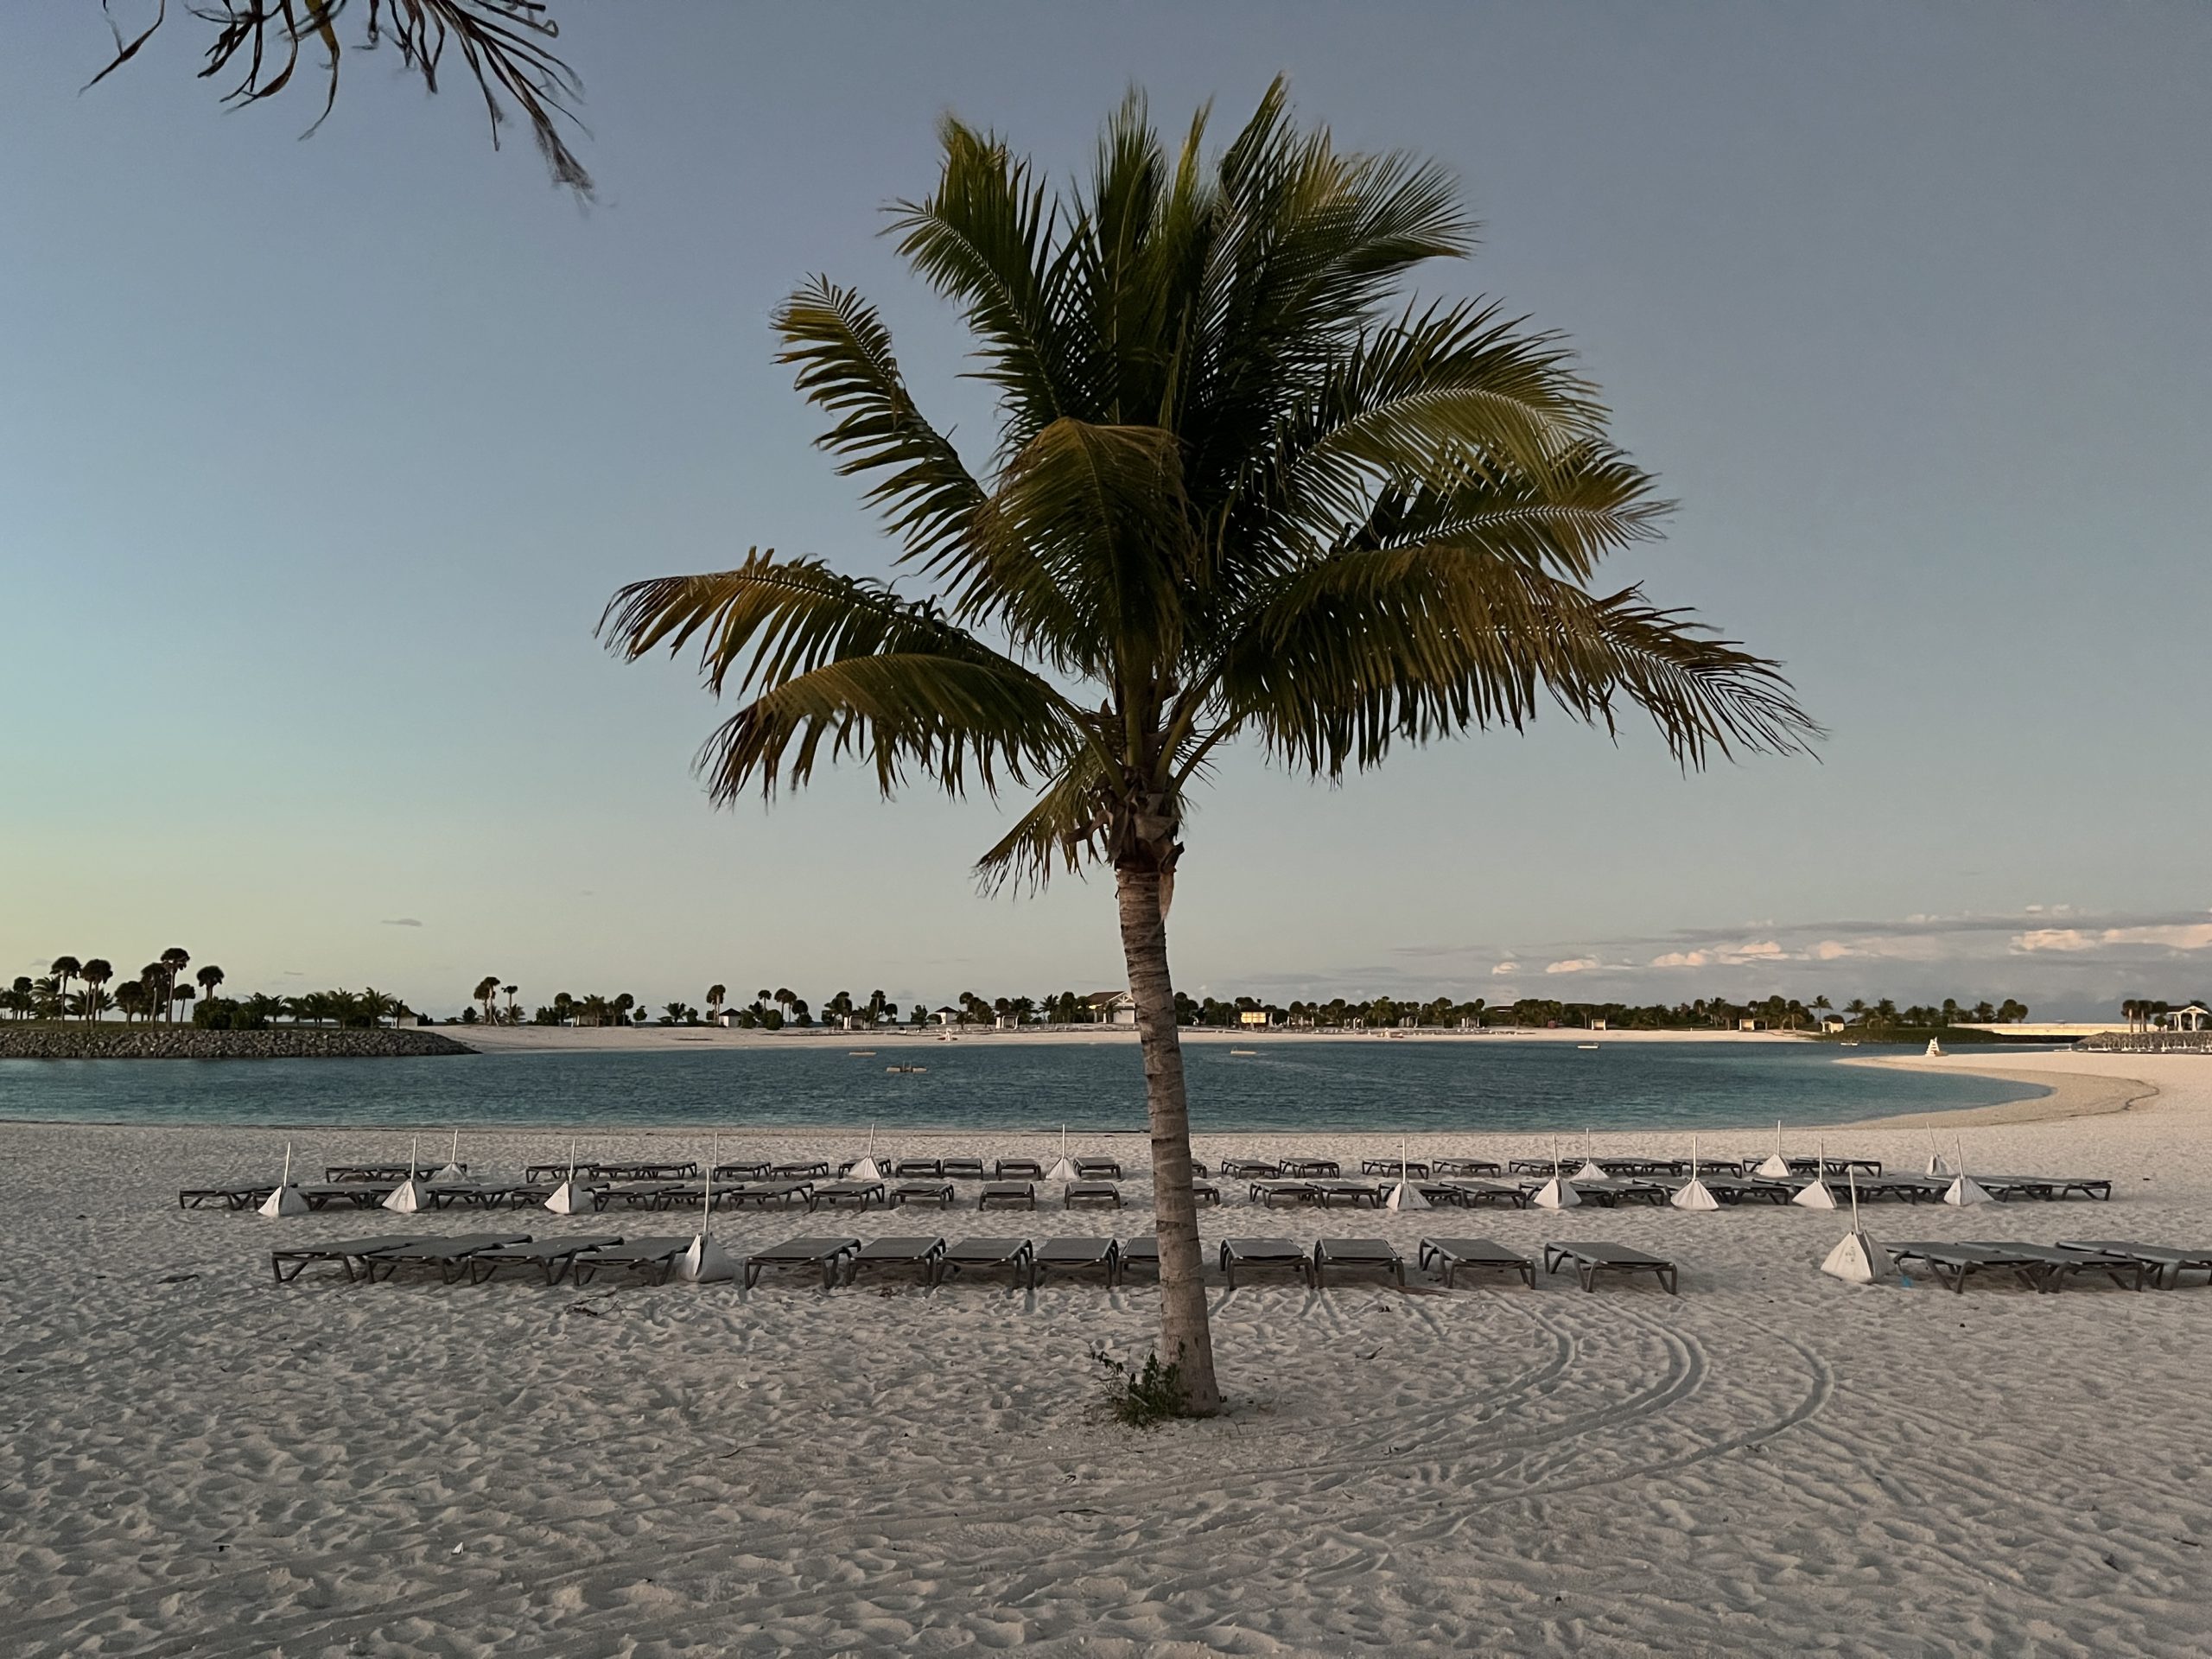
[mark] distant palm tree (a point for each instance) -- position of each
(377, 1005)
(508, 991)
(96, 974)
(487, 988)
(182, 998)
(785, 999)
(1242, 487)
(130, 998)
(65, 968)
(715, 995)
(623, 1004)
(209, 978)
(174, 961)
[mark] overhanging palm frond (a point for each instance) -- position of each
(1396, 644)
(1062, 829)
(845, 365)
(834, 661)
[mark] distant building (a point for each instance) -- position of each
(2194, 1016)
(1598, 1025)
(1112, 1008)
(1833, 1024)
(1750, 1025)
(1259, 1017)
(727, 1020)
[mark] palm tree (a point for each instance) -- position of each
(209, 978)
(377, 1005)
(715, 995)
(508, 991)
(64, 969)
(180, 997)
(130, 998)
(96, 974)
(487, 988)
(1242, 486)
(784, 998)
(174, 961)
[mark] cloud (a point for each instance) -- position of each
(401, 921)
(1574, 965)
(2171, 936)
(1505, 967)
(1683, 959)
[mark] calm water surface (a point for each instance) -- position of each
(1475, 1085)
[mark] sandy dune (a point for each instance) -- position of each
(197, 1462)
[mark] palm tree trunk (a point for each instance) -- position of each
(1184, 1336)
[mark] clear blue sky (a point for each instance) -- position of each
(318, 460)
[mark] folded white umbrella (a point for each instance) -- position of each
(569, 1199)
(411, 1194)
(1964, 1190)
(286, 1199)
(1063, 1169)
(1591, 1170)
(1776, 1166)
(867, 1169)
(453, 1171)
(1857, 1259)
(1935, 1164)
(1695, 1194)
(1557, 1194)
(706, 1262)
(1814, 1194)
(1404, 1195)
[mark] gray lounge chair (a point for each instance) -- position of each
(652, 1259)
(231, 1198)
(554, 1257)
(1205, 1192)
(1366, 1253)
(328, 1195)
(1477, 1191)
(744, 1172)
(1250, 1253)
(1268, 1192)
(1412, 1170)
(918, 1167)
(1591, 1259)
(1309, 1167)
(802, 1169)
(1090, 1192)
(1954, 1263)
(1018, 1169)
(352, 1254)
(2165, 1263)
(921, 1192)
(1020, 1195)
(826, 1253)
(1446, 1256)
(1142, 1253)
(983, 1254)
(1077, 1255)
(858, 1194)
(1098, 1169)
(783, 1192)
(1467, 1167)
(921, 1253)
(449, 1255)
(1354, 1193)
(1244, 1169)
(963, 1169)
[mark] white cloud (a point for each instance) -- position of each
(1683, 959)
(1506, 967)
(2191, 935)
(1572, 965)
(1832, 950)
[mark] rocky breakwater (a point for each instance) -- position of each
(110, 1042)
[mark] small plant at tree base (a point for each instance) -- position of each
(1145, 1398)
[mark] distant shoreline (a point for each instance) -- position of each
(678, 1040)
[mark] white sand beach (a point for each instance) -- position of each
(197, 1461)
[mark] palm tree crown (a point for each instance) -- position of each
(1242, 486)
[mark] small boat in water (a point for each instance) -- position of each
(1243, 1051)
(905, 1070)
(861, 1054)
(1585, 1045)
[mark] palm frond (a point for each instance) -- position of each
(1062, 830)
(846, 365)
(836, 665)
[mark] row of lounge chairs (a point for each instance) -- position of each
(2046, 1268)
(480, 1257)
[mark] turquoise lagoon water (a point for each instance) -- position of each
(1478, 1085)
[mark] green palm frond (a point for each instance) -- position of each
(832, 660)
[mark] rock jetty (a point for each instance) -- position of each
(120, 1042)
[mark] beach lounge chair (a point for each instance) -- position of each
(1353, 1193)
(826, 1253)
(1018, 1169)
(231, 1198)
(1954, 1263)
(1268, 1193)
(1199, 1170)
(1077, 1255)
(2164, 1263)
(804, 1169)
(921, 1192)
(352, 1254)
(449, 1255)
(918, 1167)
(1446, 1256)
(554, 1257)
(963, 1169)
(983, 1254)
(1357, 1253)
(1309, 1167)
(1142, 1253)
(1466, 1166)
(652, 1259)
(2059, 1263)
(1416, 1169)
(1205, 1192)
(1250, 1253)
(1098, 1169)
(1592, 1259)
(1090, 1192)
(1248, 1169)
(384, 1175)
(1020, 1195)
(920, 1253)
(334, 1195)
(639, 1195)
(744, 1172)
(782, 1194)
(858, 1194)
(1477, 1191)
